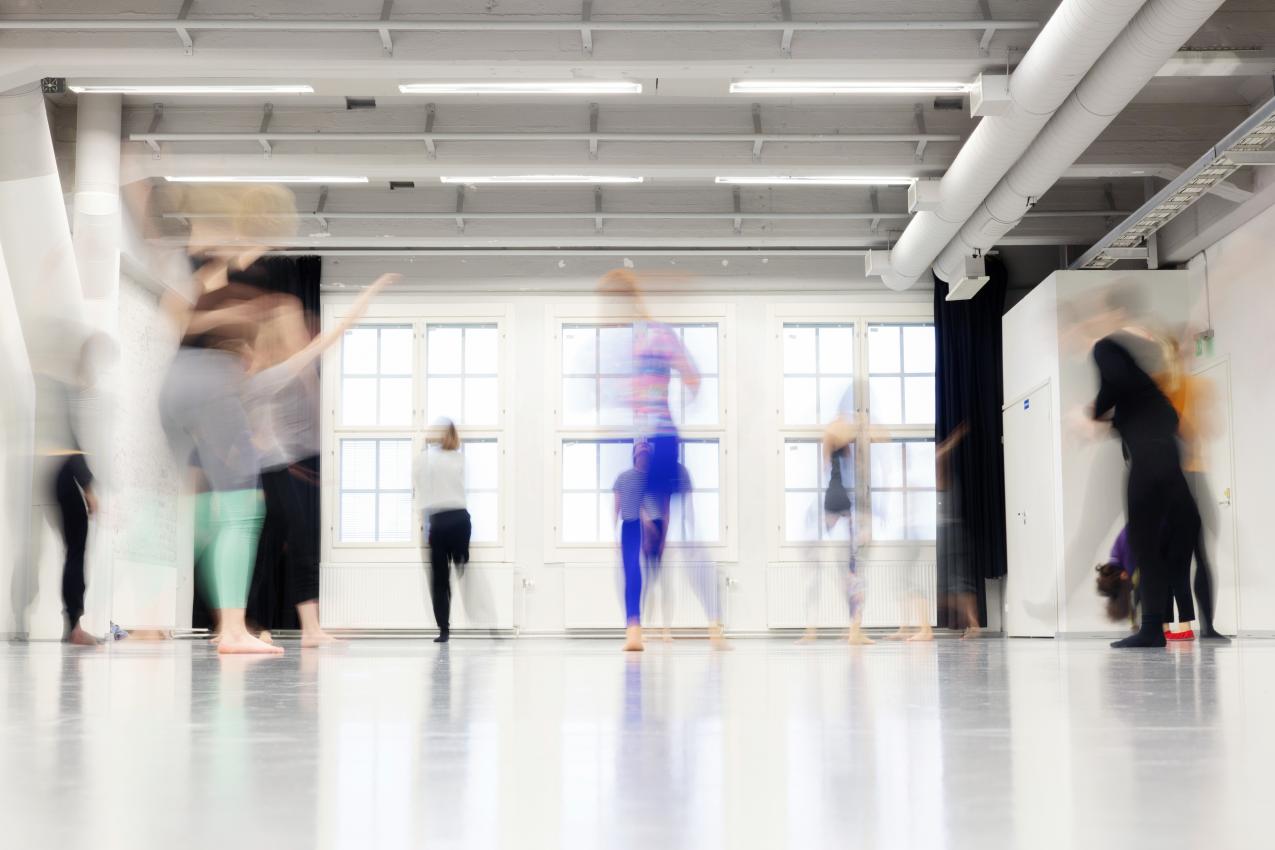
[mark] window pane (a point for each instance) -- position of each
(883, 348)
(358, 401)
(481, 401)
(885, 400)
(579, 351)
(579, 401)
(799, 350)
(579, 517)
(702, 410)
(396, 351)
(918, 400)
(799, 401)
(482, 465)
(801, 466)
(704, 523)
(887, 465)
(358, 351)
(396, 465)
(443, 396)
(579, 466)
(831, 391)
(614, 410)
(921, 515)
(836, 350)
(801, 516)
(358, 464)
(616, 350)
(920, 463)
(887, 516)
(839, 531)
(396, 401)
(482, 347)
(606, 517)
(484, 513)
(701, 344)
(396, 517)
(679, 519)
(701, 461)
(918, 348)
(614, 459)
(358, 517)
(444, 351)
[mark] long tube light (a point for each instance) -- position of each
(816, 180)
(269, 178)
(539, 87)
(847, 87)
(543, 178)
(228, 88)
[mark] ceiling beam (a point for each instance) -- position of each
(631, 216)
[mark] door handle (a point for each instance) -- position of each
(1225, 501)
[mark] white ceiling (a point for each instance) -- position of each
(1199, 96)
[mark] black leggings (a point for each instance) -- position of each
(449, 533)
(73, 474)
(1164, 528)
(287, 535)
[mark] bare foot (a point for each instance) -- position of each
(319, 638)
(633, 639)
(717, 639)
(246, 644)
(922, 636)
(858, 638)
(264, 636)
(79, 637)
(971, 632)
(810, 636)
(901, 634)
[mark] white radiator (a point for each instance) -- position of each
(396, 596)
(593, 596)
(801, 595)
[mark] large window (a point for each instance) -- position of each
(392, 392)
(895, 389)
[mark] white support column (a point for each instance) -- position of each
(17, 445)
(97, 235)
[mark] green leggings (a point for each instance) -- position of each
(227, 526)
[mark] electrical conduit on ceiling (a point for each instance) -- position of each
(1075, 36)
(1150, 40)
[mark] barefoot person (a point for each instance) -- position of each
(839, 502)
(440, 485)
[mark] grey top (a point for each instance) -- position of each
(283, 410)
(629, 486)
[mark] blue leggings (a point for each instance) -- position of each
(631, 549)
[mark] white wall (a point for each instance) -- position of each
(751, 469)
(1232, 283)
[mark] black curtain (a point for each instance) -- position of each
(268, 603)
(971, 545)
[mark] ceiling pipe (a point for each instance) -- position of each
(1075, 36)
(1154, 36)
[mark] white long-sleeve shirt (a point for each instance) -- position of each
(440, 480)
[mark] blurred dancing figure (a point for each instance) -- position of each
(1117, 581)
(281, 397)
(629, 488)
(839, 502)
(657, 353)
(440, 483)
(202, 397)
(1163, 522)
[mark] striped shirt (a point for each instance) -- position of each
(655, 348)
(629, 487)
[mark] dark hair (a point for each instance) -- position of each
(1117, 589)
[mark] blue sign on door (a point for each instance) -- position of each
(1027, 404)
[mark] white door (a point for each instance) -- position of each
(1031, 586)
(1216, 502)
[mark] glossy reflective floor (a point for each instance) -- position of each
(572, 744)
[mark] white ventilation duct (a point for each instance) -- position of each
(96, 218)
(1150, 40)
(1072, 40)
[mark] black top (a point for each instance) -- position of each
(242, 286)
(1145, 419)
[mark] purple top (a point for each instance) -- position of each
(1120, 552)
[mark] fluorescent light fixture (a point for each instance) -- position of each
(847, 87)
(269, 178)
(543, 178)
(228, 88)
(542, 87)
(816, 180)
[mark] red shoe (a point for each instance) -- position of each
(1188, 634)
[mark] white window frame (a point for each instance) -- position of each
(420, 312)
(673, 312)
(861, 314)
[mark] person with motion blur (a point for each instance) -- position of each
(440, 485)
(1163, 522)
(281, 397)
(1117, 581)
(657, 353)
(201, 401)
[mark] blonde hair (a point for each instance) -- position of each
(619, 282)
(258, 212)
(450, 441)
